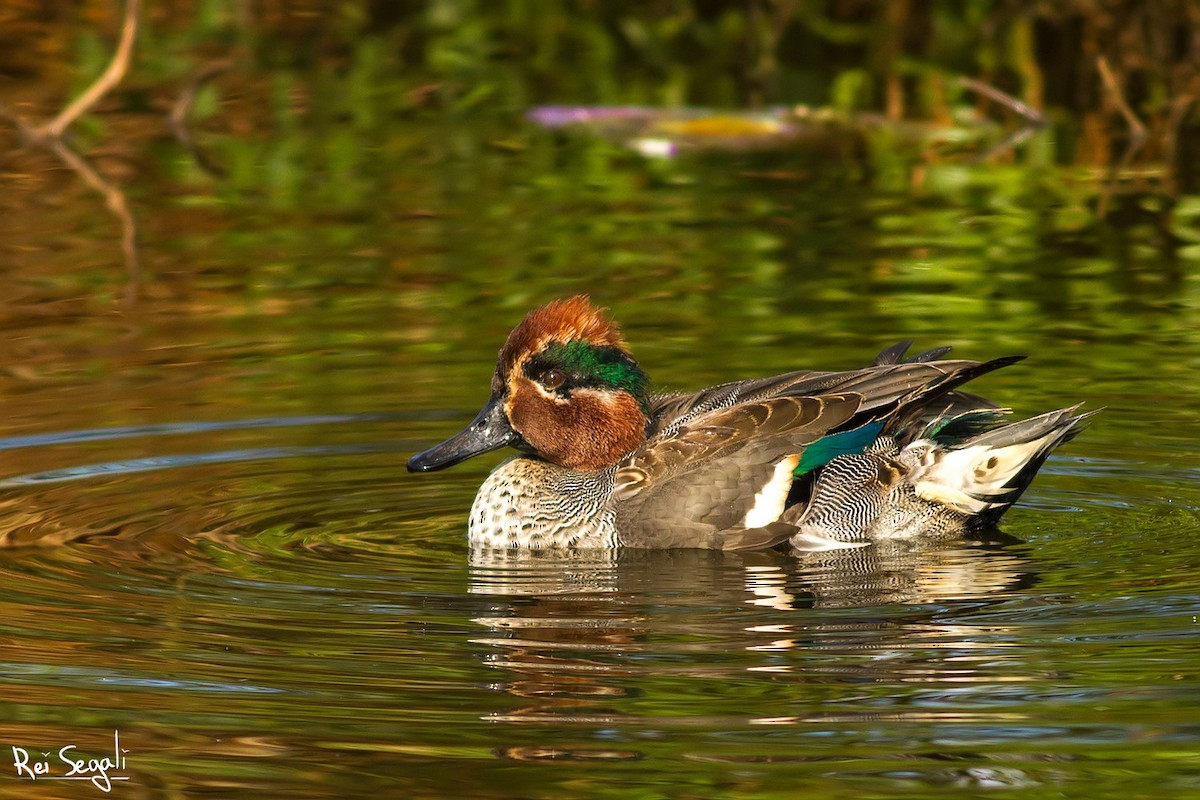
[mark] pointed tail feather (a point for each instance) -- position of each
(895, 354)
(984, 475)
(1063, 420)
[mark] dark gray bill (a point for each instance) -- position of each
(489, 431)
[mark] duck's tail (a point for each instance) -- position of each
(983, 474)
(951, 476)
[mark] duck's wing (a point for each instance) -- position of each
(730, 468)
(668, 413)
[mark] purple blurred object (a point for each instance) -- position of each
(560, 116)
(667, 132)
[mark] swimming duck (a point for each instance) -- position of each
(815, 459)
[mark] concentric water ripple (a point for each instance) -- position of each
(271, 593)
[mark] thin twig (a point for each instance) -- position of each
(1009, 142)
(1137, 131)
(1170, 139)
(1137, 134)
(50, 136)
(1030, 113)
(111, 76)
(178, 118)
(114, 198)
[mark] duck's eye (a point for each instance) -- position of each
(553, 378)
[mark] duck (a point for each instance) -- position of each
(806, 460)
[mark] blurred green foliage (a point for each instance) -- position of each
(345, 118)
(385, 59)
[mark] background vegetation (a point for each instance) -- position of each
(322, 86)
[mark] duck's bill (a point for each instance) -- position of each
(489, 431)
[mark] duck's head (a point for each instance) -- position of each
(565, 389)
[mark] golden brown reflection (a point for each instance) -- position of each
(571, 632)
(894, 572)
(887, 572)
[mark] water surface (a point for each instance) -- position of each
(212, 545)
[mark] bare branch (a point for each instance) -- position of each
(114, 198)
(111, 76)
(50, 136)
(1137, 135)
(1137, 131)
(1030, 113)
(1009, 142)
(178, 118)
(1179, 108)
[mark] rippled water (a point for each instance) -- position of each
(211, 545)
(270, 606)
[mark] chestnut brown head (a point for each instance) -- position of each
(565, 389)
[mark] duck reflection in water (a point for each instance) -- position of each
(897, 571)
(578, 634)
